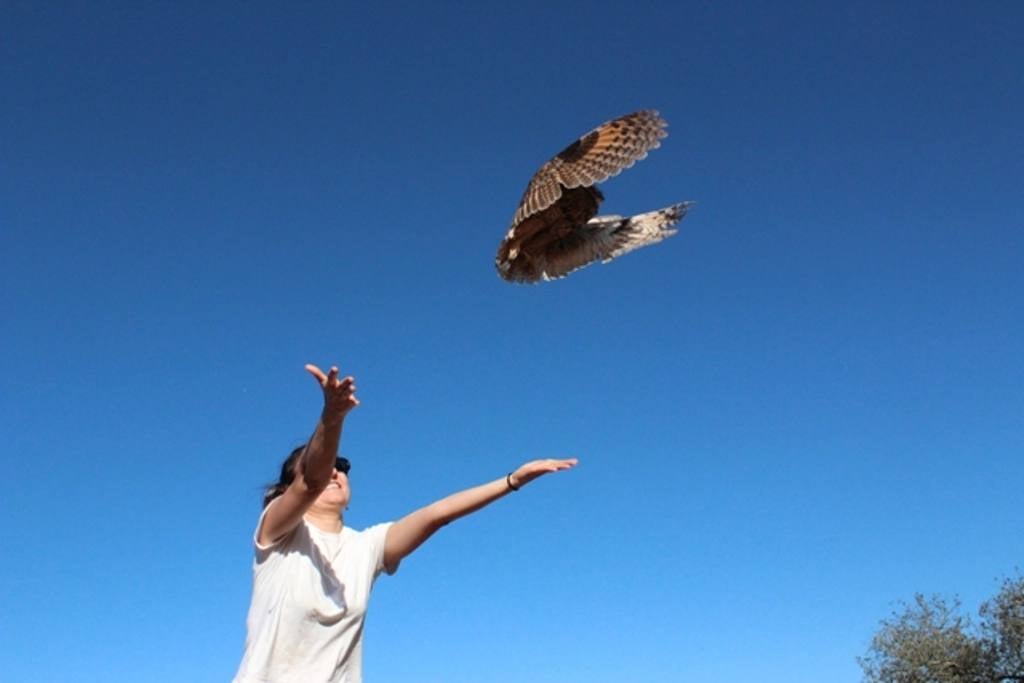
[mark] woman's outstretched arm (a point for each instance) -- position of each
(314, 468)
(408, 533)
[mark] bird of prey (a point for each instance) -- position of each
(556, 229)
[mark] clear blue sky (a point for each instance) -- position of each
(803, 408)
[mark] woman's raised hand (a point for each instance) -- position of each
(339, 394)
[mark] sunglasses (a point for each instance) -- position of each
(342, 465)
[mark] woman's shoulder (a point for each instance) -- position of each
(380, 529)
(283, 541)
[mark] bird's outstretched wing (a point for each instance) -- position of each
(595, 157)
(605, 238)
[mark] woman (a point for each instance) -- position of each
(312, 575)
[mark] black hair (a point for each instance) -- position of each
(286, 477)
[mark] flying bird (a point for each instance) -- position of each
(556, 229)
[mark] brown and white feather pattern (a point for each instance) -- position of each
(554, 230)
(607, 237)
(597, 156)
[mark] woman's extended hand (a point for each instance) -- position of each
(535, 468)
(339, 394)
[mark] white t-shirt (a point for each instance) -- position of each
(309, 597)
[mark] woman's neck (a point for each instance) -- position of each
(325, 520)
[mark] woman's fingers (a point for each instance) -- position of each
(339, 394)
(553, 465)
(317, 373)
(330, 380)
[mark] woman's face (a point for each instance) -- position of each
(337, 494)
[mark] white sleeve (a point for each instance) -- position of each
(262, 550)
(376, 536)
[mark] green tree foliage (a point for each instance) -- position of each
(931, 641)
